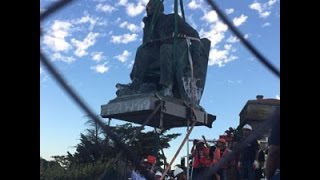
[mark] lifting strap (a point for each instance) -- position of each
(178, 151)
(194, 119)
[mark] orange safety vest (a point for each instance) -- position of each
(201, 158)
(217, 157)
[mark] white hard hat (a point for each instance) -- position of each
(158, 173)
(247, 126)
(177, 171)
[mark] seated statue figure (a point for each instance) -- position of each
(168, 65)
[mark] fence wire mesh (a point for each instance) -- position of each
(55, 7)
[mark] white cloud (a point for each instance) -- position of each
(66, 59)
(133, 10)
(141, 25)
(124, 39)
(229, 11)
(124, 56)
(266, 24)
(87, 19)
(100, 68)
(263, 9)
(123, 24)
(55, 39)
(220, 27)
(93, 21)
(216, 57)
(105, 8)
(278, 96)
(215, 34)
(194, 4)
(265, 14)
(237, 21)
(117, 20)
(227, 46)
(130, 64)
(131, 27)
(122, 2)
(220, 57)
(271, 2)
(210, 16)
(144, 2)
(82, 46)
(41, 70)
(256, 6)
(246, 36)
(97, 56)
(232, 39)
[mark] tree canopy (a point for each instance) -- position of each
(96, 153)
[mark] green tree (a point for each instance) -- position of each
(145, 143)
(51, 170)
(95, 154)
(88, 150)
(94, 129)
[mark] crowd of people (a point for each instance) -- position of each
(248, 163)
(251, 163)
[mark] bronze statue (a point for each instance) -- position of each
(162, 65)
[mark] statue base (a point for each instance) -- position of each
(136, 108)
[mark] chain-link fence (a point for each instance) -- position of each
(54, 8)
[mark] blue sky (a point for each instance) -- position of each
(93, 44)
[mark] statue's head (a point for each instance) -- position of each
(151, 7)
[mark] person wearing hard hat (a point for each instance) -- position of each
(249, 155)
(218, 152)
(179, 174)
(158, 175)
